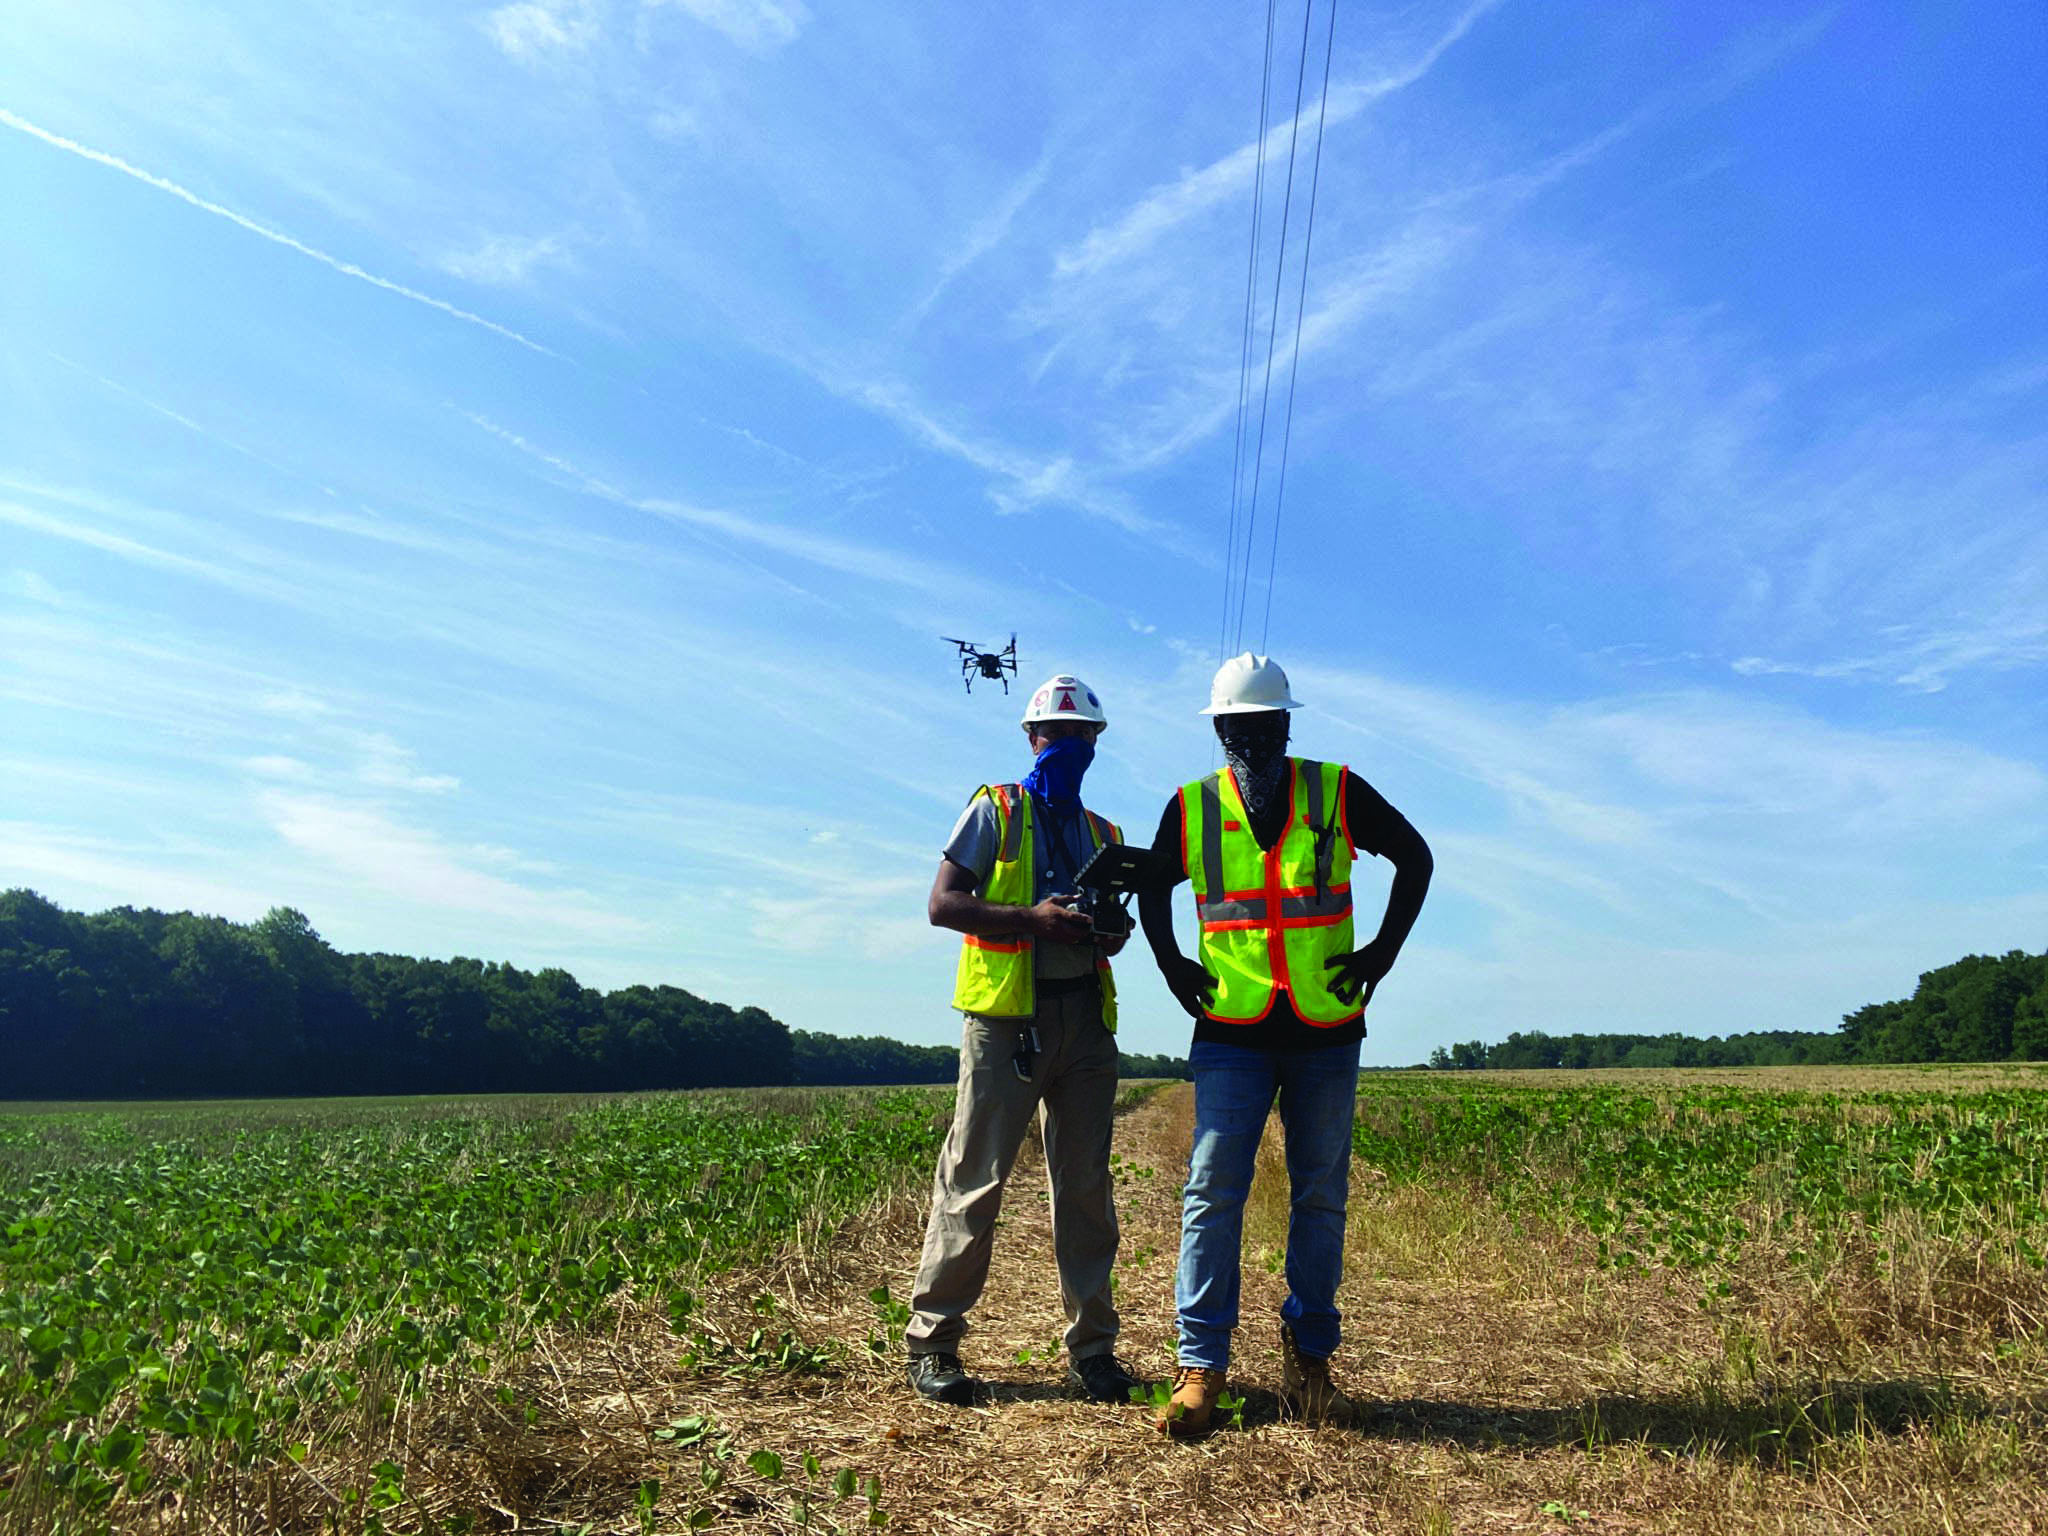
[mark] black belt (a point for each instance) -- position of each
(1061, 986)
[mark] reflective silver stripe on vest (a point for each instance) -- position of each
(1212, 838)
(1013, 824)
(1325, 836)
(1321, 904)
(1250, 910)
(1214, 909)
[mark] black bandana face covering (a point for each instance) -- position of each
(1255, 746)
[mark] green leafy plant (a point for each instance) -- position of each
(893, 1315)
(1231, 1406)
(1047, 1351)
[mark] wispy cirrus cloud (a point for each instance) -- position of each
(846, 889)
(134, 550)
(759, 26)
(1196, 192)
(531, 30)
(263, 231)
(196, 428)
(987, 233)
(507, 261)
(1927, 661)
(366, 844)
(1697, 791)
(1419, 254)
(99, 871)
(1022, 481)
(1829, 524)
(868, 561)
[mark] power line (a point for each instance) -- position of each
(1244, 360)
(1308, 236)
(1272, 338)
(1238, 567)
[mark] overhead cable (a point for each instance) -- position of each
(1231, 575)
(1308, 236)
(1238, 561)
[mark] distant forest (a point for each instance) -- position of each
(135, 1003)
(1979, 1009)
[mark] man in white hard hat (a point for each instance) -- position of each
(1040, 1030)
(1278, 999)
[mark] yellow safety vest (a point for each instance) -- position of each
(996, 976)
(1270, 918)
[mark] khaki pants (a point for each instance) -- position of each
(1074, 1079)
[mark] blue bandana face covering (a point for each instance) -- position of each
(1056, 775)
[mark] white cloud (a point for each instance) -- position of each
(531, 30)
(294, 705)
(383, 764)
(35, 589)
(122, 547)
(1561, 978)
(277, 766)
(988, 232)
(346, 268)
(1197, 191)
(867, 561)
(1698, 812)
(88, 873)
(381, 855)
(1022, 482)
(759, 26)
(500, 857)
(1722, 755)
(506, 261)
(675, 125)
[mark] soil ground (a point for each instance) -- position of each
(1503, 1384)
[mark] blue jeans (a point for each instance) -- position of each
(1234, 1091)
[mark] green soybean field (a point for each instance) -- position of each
(190, 1294)
(1706, 1179)
(1795, 1301)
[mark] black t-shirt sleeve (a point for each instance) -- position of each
(1166, 842)
(1374, 824)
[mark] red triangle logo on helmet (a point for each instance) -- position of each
(1066, 698)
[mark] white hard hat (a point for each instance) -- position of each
(1065, 697)
(1248, 683)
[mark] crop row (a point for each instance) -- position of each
(226, 1285)
(1691, 1178)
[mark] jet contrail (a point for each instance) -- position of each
(114, 162)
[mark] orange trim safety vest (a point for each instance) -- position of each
(1270, 918)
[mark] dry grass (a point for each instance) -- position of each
(1906, 1398)
(1910, 1078)
(1505, 1384)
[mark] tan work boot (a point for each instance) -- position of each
(1193, 1404)
(1306, 1390)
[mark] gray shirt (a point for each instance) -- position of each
(1059, 846)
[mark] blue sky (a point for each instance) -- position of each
(494, 478)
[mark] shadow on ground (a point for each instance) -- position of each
(1769, 1430)
(994, 1393)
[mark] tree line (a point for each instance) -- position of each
(137, 1003)
(1981, 1008)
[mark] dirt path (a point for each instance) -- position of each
(1032, 1454)
(1505, 1387)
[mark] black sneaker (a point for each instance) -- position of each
(1104, 1378)
(940, 1378)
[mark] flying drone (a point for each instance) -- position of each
(975, 662)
